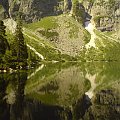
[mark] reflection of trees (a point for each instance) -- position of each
(18, 82)
(35, 110)
(4, 113)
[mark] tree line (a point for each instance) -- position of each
(12, 55)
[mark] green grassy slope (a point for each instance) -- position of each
(61, 32)
(107, 47)
(57, 38)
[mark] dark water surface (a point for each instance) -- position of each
(69, 91)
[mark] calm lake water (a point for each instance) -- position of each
(62, 91)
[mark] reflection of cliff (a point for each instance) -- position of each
(105, 106)
(39, 111)
(92, 79)
(80, 107)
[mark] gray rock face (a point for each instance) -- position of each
(31, 10)
(105, 13)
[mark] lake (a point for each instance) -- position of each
(62, 91)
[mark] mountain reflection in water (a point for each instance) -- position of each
(57, 92)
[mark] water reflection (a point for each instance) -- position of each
(57, 92)
(92, 79)
(4, 107)
(57, 86)
(12, 95)
(19, 83)
(105, 106)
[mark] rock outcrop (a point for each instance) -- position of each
(33, 10)
(105, 13)
(30, 10)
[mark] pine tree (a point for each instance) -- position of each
(3, 41)
(19, 48)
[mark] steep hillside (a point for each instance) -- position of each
(53, 38)
(63, 32)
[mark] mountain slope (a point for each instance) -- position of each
(54, 38)
(62, 36)
(63, 32)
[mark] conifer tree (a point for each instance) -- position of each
(3, 41)
(19, 48)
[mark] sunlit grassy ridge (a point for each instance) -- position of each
(46, 23)
(62, 32)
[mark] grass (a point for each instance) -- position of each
(106, 45)
(48, 52)
(45, 35)
(48, 34)
(39, 39)
(63, 28)
(46, 23)
(107, 49)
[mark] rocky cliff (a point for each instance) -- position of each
(33, 10)
(105, 13)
